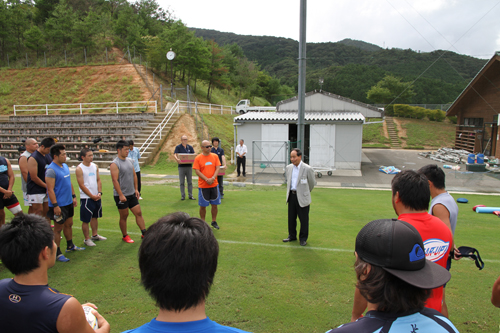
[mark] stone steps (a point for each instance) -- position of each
(393, 134)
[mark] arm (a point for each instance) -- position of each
(51, 182)
(205, 178)
(311, 180)
(72, 319)
(136, 186)
(75, 203)
(99, 184)
(33, 170)
(81, 184)
(223, 162)
(442, 213)
(113, 168)
(359, 305)
(176, 156)
(495, 293)
(23, 166)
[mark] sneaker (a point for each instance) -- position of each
(62, 258)
(89, 242)
(127, 239)
(192, 198)
(142, 236)
(75, 248)
(98, 238)
(140, 198)
(215, 225)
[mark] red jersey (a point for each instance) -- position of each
(437, 239)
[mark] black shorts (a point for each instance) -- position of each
(90, 209)
(66, 212)
(130, 203)
(7, 202)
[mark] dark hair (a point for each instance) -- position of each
(298, 151)
(392, 294)
(22, 240)
(130, 142)
(178, 260)
(47, 142)
(84, 152)
(413, 189)
(215, 139)
(435, 174)
(55, 150)
(122, 143)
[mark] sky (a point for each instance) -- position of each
(470, 27)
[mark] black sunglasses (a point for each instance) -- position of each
(207, 146)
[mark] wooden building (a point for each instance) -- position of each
(477, 110)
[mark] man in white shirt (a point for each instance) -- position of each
(300, 182)
(87, 175)
(241, 152)
(31, 145)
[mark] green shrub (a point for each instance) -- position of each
(435, 115)
(419, 112)
(452, 119)
(389, 110)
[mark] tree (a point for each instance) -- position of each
(217, 75)
(34, 39)
(390, 90)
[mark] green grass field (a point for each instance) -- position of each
(263, 284)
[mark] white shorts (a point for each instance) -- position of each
(37, 198)
(26, 200)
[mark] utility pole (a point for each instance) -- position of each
(302, 75)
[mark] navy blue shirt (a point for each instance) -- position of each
(427, 320)
(219, 151)
(179, 149)
(29, 308)
(43, 162)
(4, 177)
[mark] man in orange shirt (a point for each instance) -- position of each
(207, 165)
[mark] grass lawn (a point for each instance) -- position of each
(263, 284)
(420, 133)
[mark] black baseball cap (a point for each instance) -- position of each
(397, 247)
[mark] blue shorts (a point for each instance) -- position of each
(208, 196)
(90, 209)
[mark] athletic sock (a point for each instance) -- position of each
(143, 231)
(125, 235)
(58, 251)
(70, 244)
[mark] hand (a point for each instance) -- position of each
(210, 181)
(75, 203)
(456, 254)
(102, 323)
(122, 198)
(8, 194)
(57, 210)
(137, 194)
(96, 197)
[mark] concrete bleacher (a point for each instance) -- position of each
(79, 131)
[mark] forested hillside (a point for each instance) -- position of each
(349, 68)
(60, 33)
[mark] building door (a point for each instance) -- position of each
(274, 142)
(322, 146)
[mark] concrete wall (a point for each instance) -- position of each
(249, 132)
(348, 139)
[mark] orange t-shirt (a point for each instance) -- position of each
(207, 166)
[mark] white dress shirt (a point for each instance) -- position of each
(241, 150)
(295, 176)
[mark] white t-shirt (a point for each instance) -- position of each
(89, 179)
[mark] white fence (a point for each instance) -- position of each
(195, 107)
(159, 129)
(140, 106)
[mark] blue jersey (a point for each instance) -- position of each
(62, 187)
(199, 326)
(427, 320)
(29, 308)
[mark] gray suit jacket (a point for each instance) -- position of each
(303, 188)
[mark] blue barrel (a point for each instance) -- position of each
(471, 158)
(480, 158)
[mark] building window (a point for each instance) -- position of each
(473, 122)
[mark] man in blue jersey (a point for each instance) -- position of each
(62, 200)
(178, 260)
(27, 303)
(396, 279)
(7, 197)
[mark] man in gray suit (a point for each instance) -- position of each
(299, 184)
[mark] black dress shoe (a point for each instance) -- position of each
(303, 243)
(192, 198)
(288, 239)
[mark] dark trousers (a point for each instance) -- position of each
(138, 173)
(239, 162)
(295, 210)
(220, 180)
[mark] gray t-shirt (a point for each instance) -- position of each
(447, 200)
(125, 176)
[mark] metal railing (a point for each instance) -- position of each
(159, 129)
(186, 106)
(141, 106)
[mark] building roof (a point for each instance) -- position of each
(469, 91)
(348, 103)
(310, 117)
